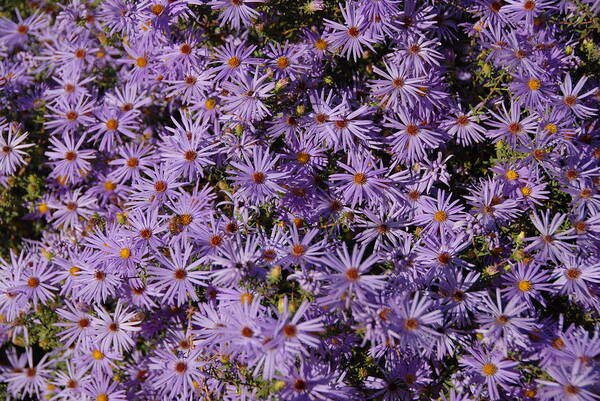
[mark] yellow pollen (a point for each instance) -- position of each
(534, 84)
(511, 175)
(125, 253)
(210, 104)
(74, 271)
(157, 9)
(109, 185)
(43, 208)
(141, 62)
(97, 354)
(33, 282)
(524, 285)
(112, 124)
(282, 62)
(526, 191)
(320, 44)
(186, 219)
(102, 397)
(551, 128)
(489, 369)
(360, 178)
(440, 216)
(246, 298)
(302, 157)
(234, 62)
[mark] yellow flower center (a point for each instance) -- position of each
(102, 397)
(157, 9)
(512, 175)
(109, 185)
(125, 253)
(246, 298)
(141, 62)
(43, 208)
(97, 354)
(534, 84)
(210, 104)
(524, 285)
(489, 369)
(526, 191)
(302, 157)
(282, 62)
(320, 44)
(112, 124)
(551, 128)
(234, 62)
(74, 271)
(360, 178)
(440, 216)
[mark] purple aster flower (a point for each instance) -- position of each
(237, 13)
(16, 34)
(31, 379)
(362, 180)
(349, 278)
(571, 98)
(69, 162)
(176, 375)
(179, 276)
(528, 10)
(398, 88)
(71, 86)
(439, 213)
(533, 92)
(36, 281)
(160, 185)
(246, 94)
(76, 324)
(188, 153)
(129, 98)
(574, 384)
(464, 127)
(71, 382)
(113, 123)
(417, 53)
(232, 59)
(491, 369)
(94, 284)
(258, 178)
(133, 161)
(527, 283)
(550, 244)
(303, 251)
(458, 297)
(101, 387)
(113, 331)
(577, 278)
(503, 325)
(353, 34)
(412, 139)
(73, 207)
(414, 320)
(191, 85)
(68, 116)
(11, 150)
(510, 127)
(310, 382)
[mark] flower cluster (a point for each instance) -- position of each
(377, 199)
